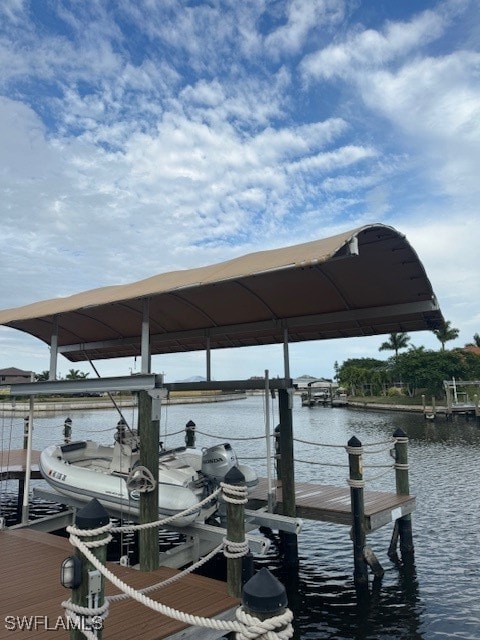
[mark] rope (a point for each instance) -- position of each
(374, 444)
(84, 617)
(322, 464)
(401, 467)
(341, 446)
(379, 475)
(129, 528)
(233, 549)
(234, 494)
(174, 433)
(257, 631)
(320, 444)
(389, 448)
(247, 630)
(172, 579)
(210, 435)
(354, 451)
(355, 484)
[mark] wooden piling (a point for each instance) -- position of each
(67, 430)
(286, 472)
(92, 516)
(190, 434)
(235, 533)
(25, 432)
(149, 432)
(356, 482)
(264, 597)
(403, 488)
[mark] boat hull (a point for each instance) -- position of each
(84, 484)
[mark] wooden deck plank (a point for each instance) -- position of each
(327, 503)
(30, 586)
(13, 464)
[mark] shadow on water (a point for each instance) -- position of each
(327, 605)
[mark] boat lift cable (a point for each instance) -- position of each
(111, 397)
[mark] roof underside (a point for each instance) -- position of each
(317, 290)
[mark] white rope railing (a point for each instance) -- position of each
(246, 626)
(211, 435)
(130, 528)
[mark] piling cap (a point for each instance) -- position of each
(263, 593)
(399, 433)
(91, 516)
(191, 424)
(354, 442)
(234, 476)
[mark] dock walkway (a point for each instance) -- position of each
(325, 503)
(13, 464)
(31, 593)
(328, 503)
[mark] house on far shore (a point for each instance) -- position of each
(12, 375)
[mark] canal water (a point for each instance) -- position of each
(439, 598)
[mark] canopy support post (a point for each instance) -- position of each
(52, 375)
(145, 346)
(286, 358)
(287, 474)
(209, 359)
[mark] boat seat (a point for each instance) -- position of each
(73, 446)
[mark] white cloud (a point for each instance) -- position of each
(370, 49)
(301, 18)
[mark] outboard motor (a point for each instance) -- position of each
(218, 460)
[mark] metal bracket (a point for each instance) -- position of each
(157, 396)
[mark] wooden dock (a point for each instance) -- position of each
(13, 464)
(30, 591)
(328, 503)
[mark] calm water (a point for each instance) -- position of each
(440, 599)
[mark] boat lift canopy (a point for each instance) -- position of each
(359, 283)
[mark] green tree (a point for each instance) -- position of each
(361, 371)
(396, 342)
(446, 333)
(76, 374)
(44, 375)
(476, 341)
(425, 371)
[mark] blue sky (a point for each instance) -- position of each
(138, 137)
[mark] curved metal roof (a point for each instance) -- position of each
(362, 282)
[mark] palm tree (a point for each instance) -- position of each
(476, 341)
(75, 374)
(446, 333)
(45, 375)
(396, 342)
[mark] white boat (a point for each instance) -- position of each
(85, 469)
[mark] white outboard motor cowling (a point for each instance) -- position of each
(218, 460)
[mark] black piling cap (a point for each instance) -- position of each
(399, 433)
(234, 476)
(354, 442)
(190, 424)
(264, 593)
(91, 516)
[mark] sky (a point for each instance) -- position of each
(143, 136)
